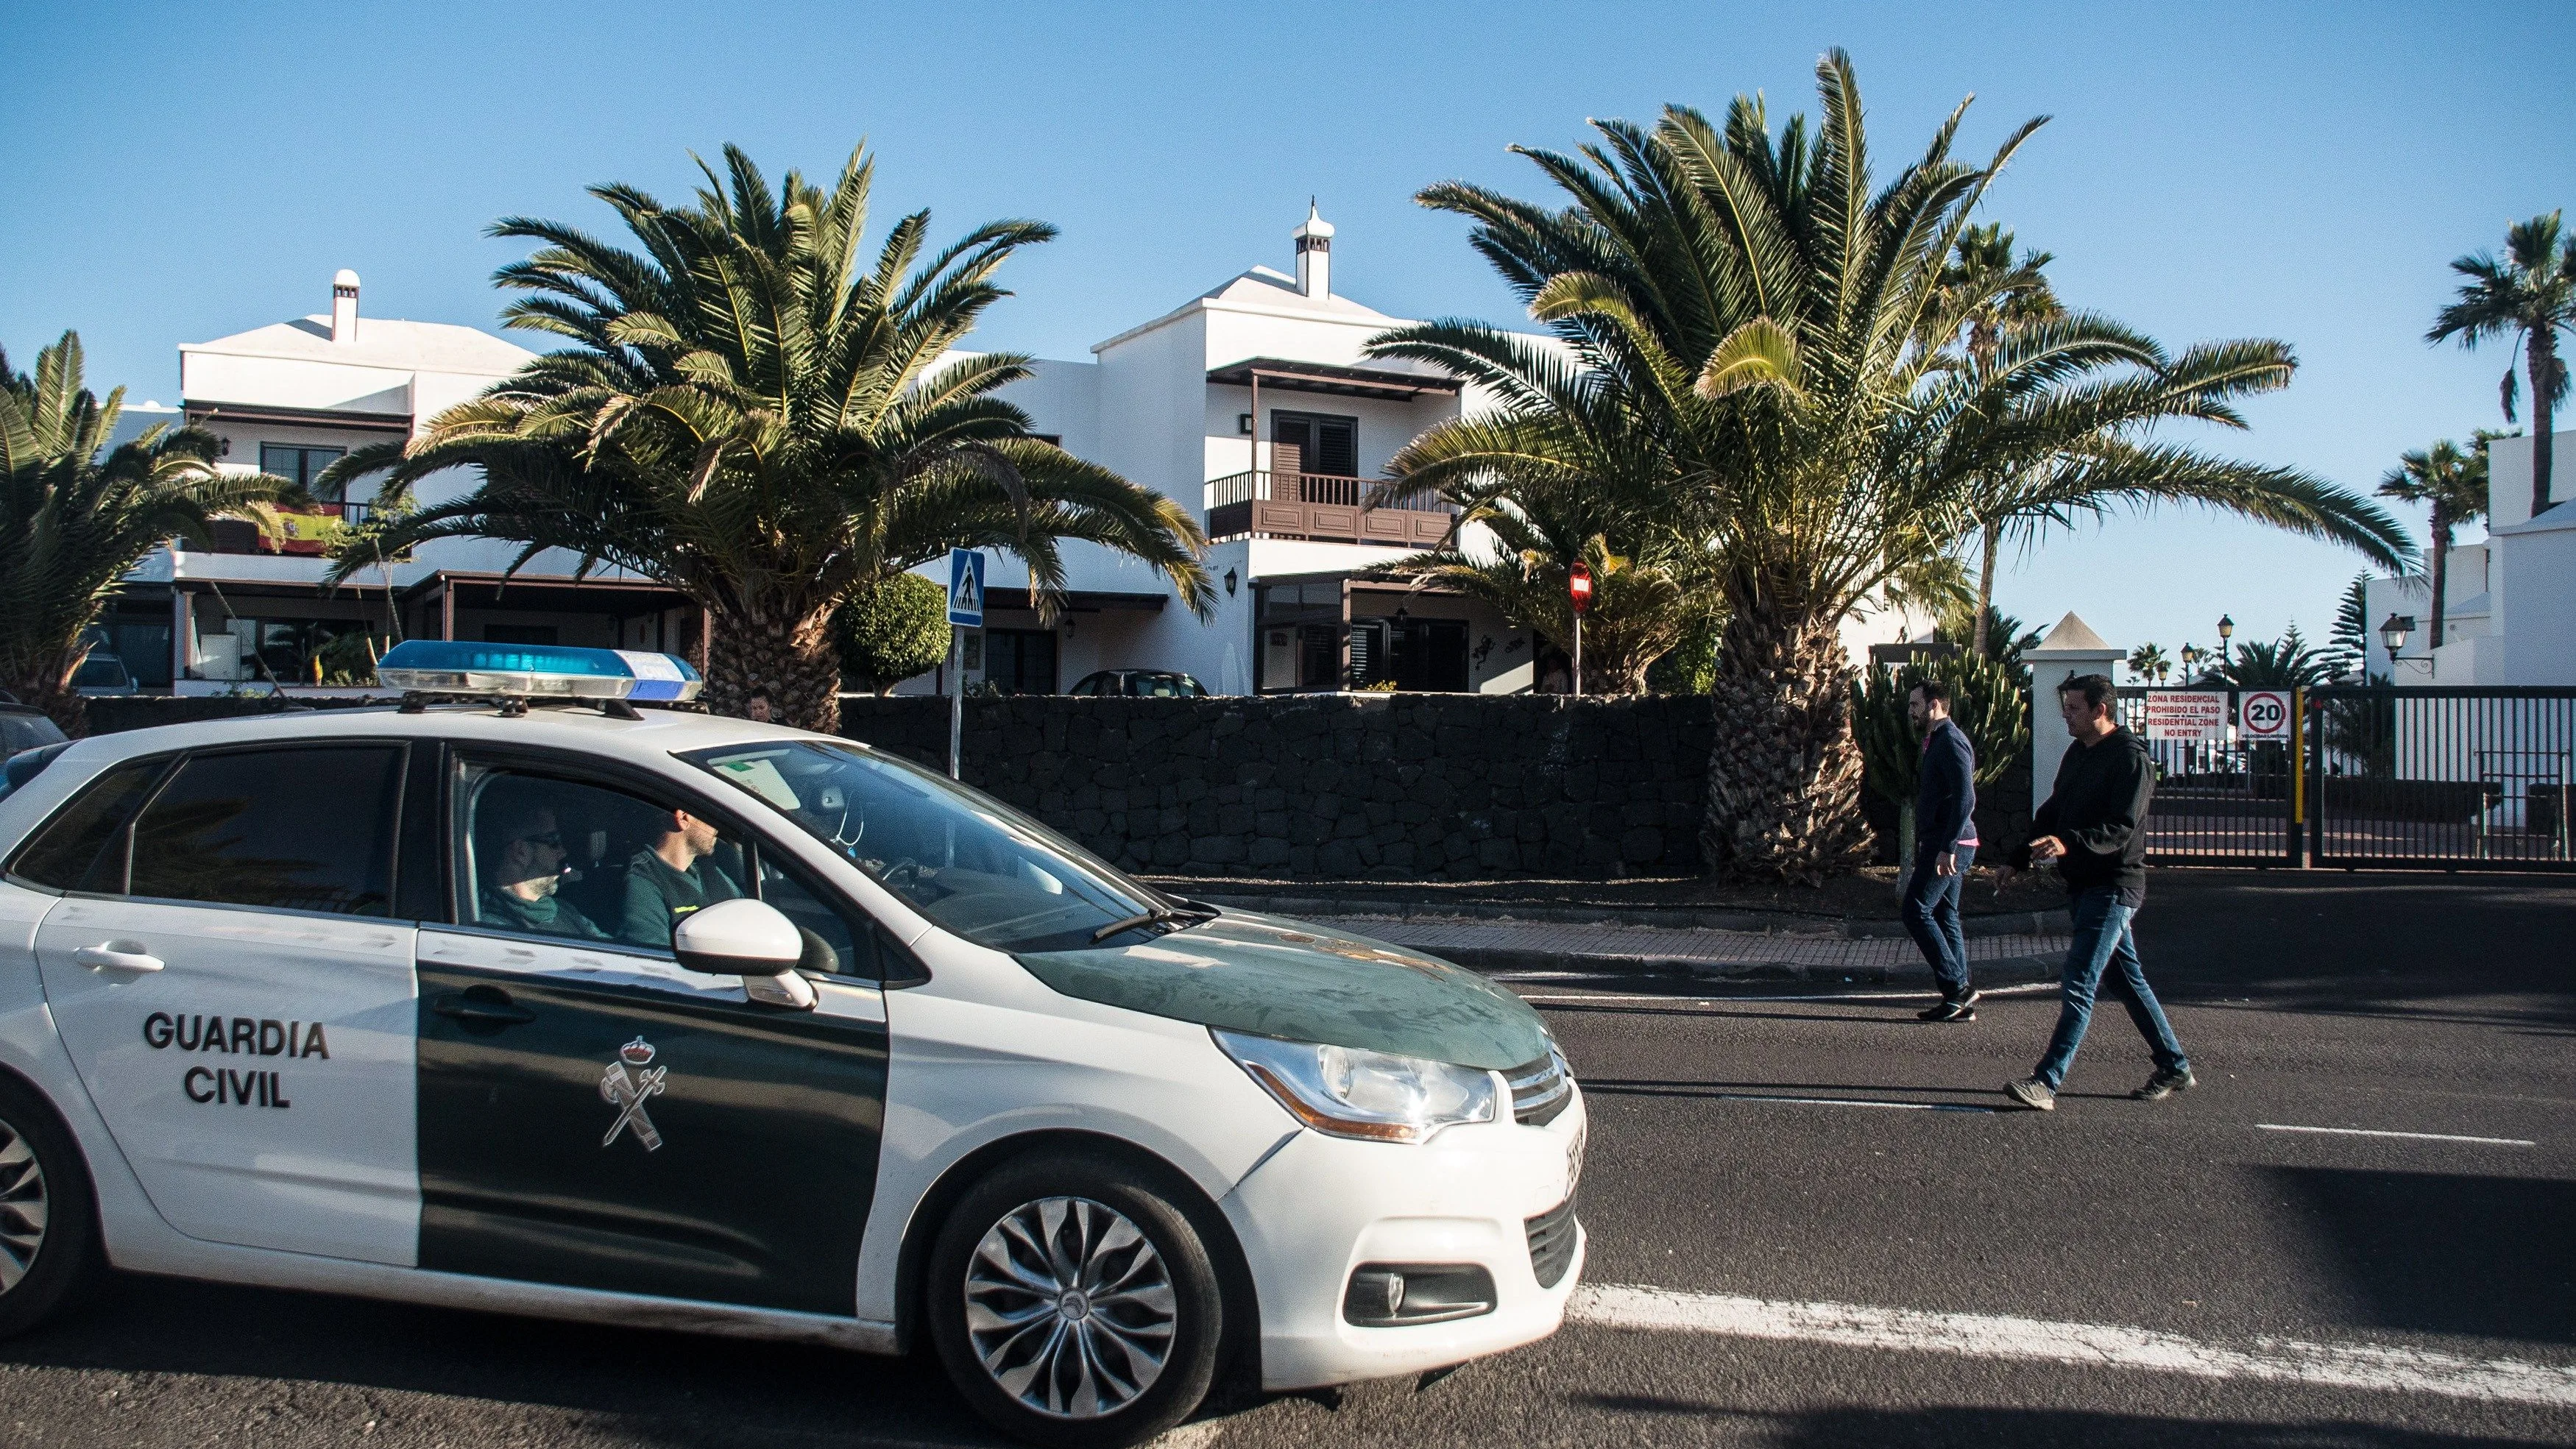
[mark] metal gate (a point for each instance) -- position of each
(2227, 800)
(2427, 777)
(2451, 778)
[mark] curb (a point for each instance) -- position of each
(1849, 928)
(2009, 971)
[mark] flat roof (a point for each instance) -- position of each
(1387, 383)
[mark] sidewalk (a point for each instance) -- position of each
(1501, 943)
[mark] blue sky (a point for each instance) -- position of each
(2296, 171)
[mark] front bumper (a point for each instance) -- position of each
(1321, 1206)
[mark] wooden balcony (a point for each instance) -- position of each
(1320, 506)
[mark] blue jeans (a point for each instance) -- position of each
(2102, 940)
(1932, 918)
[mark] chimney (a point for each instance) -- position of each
(1314, 254)
(344, 306)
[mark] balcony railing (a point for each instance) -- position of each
(1323, 506)
(309, 530)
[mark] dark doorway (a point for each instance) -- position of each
(1319, 657)
(1430, 654)
(1020, 661)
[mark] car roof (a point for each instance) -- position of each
(580, 730)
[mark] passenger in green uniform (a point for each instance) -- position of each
(525, 854)
(672, 878)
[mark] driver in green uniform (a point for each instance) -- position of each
(671, 878)
(526, 853)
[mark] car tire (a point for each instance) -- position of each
(1010, 1287)
(48, 1216)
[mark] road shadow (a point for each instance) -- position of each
(2429, 1252)
(669, 1390)
(1980, 1428)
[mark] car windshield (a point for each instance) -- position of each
(95, 670)
(968, 862)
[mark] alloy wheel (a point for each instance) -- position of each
(1069, 1308)
(22, 1206)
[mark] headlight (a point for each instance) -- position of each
(1353, 1092)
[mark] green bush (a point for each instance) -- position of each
(891, 631)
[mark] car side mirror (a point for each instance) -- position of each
(738, 938)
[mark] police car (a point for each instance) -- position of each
(659, 1019)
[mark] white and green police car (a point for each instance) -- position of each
(656, 1018)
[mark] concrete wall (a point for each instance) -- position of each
(1386, 786)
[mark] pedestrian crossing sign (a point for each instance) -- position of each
(966, 587)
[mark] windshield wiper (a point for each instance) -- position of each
(1150, 918)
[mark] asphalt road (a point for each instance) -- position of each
(2433, 1279)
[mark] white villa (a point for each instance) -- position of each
(2510, 607)
(1251, 403)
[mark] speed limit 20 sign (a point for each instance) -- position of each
(2264, 714)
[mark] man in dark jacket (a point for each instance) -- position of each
(2093, 826)
(1945, 844)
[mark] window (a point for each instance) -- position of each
(1324, 444)
(544, 856)
(307, 829)
(84, 848)
(302, 464)
(835, 941)
(1020, 661)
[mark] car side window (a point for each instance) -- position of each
(84, 848)
(309, 828)
(544, 855)
(839, 941)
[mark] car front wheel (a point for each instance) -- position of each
(1074, 1305)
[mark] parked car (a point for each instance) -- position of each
(24, 727)
(1140, 684)
(102, 673)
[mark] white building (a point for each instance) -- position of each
(289, 399)
(2510, 605)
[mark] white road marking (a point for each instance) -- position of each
(1926, 994)
(1850, 1102)
(1978, 1335)
(2409, 1136)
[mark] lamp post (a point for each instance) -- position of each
(2226, 652)
(1578, 588)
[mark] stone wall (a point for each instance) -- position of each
(1341, 785)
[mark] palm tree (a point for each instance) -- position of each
(2289, 663)
(74, 523)
(757, 418)
(2148, 662)
(2530, 292)
(1750, 313)
(1983, 291)
(2453, 484)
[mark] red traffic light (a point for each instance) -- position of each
(1578, 583)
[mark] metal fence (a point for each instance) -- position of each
(2430, 777)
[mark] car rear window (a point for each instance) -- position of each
(304, 829)
(83, 848)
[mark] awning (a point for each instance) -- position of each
(1384, 383)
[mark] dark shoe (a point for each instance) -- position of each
(1949, 1011)
(2165, 1083)
(2033, 1093)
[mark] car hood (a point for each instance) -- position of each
(1282, 978)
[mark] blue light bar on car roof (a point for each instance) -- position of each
(454, 666)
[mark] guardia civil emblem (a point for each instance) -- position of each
(629, 1082)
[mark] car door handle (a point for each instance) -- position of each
(118, 956)
(482, 1006)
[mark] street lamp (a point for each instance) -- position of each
(1578, 588)
(2226, 631)
(2393, 632)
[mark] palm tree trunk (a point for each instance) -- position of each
(1985, 595)
(44, 681)
(2441, 531)
(2543, 355)
(1784, 777)
(769, 650)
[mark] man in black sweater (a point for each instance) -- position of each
(2093, 826)
(1945, 844)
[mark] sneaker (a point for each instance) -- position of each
(2165, 1083)
(2033, 1093)
(1948, 1011)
